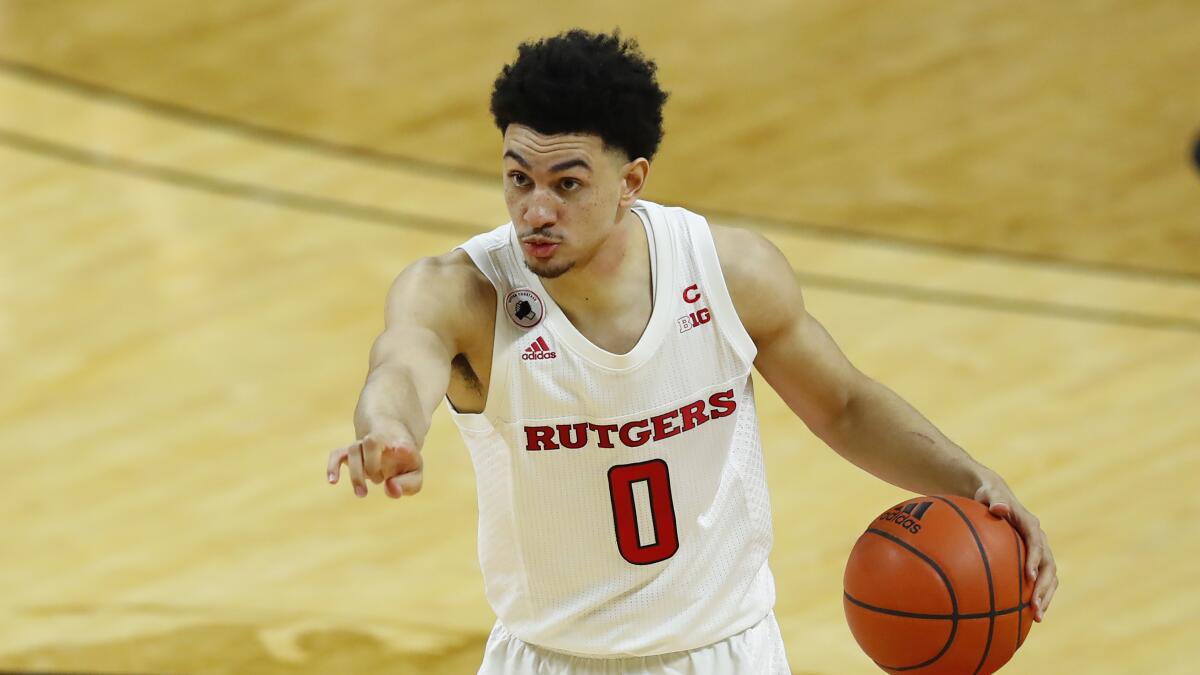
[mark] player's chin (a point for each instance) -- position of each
(548, 268)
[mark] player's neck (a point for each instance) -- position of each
(617, 273)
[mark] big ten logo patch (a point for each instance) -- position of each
(701, 316)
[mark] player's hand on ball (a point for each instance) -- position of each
(1039, 561)
(388, 455)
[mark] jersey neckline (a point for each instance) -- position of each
(661, 272)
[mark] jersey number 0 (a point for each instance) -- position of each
(621, 479)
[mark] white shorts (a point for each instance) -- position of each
(758, 650)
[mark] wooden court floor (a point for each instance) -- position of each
(188, 294)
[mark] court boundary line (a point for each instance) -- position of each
(232, 188)
(393, 161)
(351, 211)
(75, 672)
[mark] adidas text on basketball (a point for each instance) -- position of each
(909, 517)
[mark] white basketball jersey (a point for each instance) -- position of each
(623, 505)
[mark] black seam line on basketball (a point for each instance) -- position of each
(949, 589)
(987, 568)
(937, 617)
(350, 210)
(1020, 587)
(396, 161)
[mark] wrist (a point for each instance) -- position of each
(979, 477)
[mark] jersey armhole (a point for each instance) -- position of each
(497, 379)
(714, 280)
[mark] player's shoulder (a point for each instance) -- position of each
(747, 257)
(451, 275)
(762, 285)
(453, 266)
(449, 284)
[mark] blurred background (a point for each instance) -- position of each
(993, 206)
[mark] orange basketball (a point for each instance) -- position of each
(936, 586)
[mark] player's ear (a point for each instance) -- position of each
(633, 179)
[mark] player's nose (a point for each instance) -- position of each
(540, 211)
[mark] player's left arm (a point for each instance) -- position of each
(859, 418)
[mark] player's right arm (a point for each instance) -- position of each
(427, 322)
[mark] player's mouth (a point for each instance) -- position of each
(540, 247)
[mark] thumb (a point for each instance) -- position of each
(389, 435)
(400, 459)
(997, 504)
(393, 488)
(405, 484)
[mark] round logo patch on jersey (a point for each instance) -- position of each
(524, 307)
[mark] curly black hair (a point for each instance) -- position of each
(583, 82)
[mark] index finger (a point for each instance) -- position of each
(1035, 542)
(334, 468)
(371, 450)
(355, 461)
(1047, 581)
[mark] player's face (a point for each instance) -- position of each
(564, 195)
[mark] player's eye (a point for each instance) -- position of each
(518, 179)
(570, 184)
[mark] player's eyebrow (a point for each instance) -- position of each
(520, 160)
(561, 166)
(570, 163)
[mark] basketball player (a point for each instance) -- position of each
(596, 355)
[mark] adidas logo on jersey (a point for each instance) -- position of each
(538, 351)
